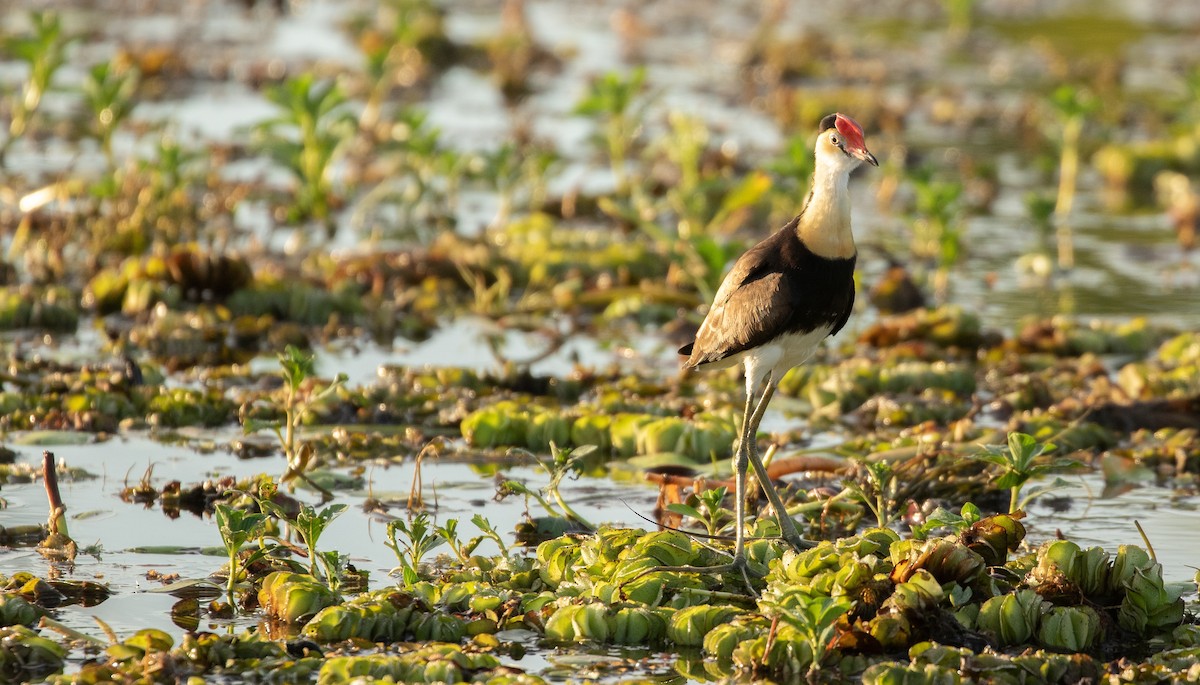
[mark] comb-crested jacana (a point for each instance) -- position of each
(780, 300)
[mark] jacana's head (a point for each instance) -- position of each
(841, 143)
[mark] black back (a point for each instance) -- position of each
(778, 287)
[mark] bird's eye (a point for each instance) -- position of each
(835, 140)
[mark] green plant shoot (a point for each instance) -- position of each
(44, 51)
(814, 616)
(306, 139)
(109, 92)
(489, 531)
(419, 540)
(563, 462)
(1073, 105)
(614, 101)
(706, 508)
(942, 518)
(1019, 464)
(237, 527)
(296, 367)
(879, 492)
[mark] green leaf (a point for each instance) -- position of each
(940, 518)
(971, 513)
(660, 459)
(1021, 444)
(684, 510)
(1011, 479)
(50, 438)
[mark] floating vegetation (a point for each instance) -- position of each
(192, 231)
(839, 606)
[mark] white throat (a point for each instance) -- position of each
(825, 224)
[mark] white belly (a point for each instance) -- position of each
(774, 358)
(781, 354)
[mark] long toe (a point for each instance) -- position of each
(740, 565)
(798, 543)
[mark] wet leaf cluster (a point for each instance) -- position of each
(47, 395)
(913, 408)
(965, 591)
(848, 607)
(48, 308)
(918, 404)
(370, 620)
(625, 434)
(955, 605)
(23, 591)
(26, 656)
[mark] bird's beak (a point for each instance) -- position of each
(865, 156)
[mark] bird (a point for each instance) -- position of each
(780, 300)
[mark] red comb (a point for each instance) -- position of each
(850, 129)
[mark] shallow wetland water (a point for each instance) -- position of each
(498, 220)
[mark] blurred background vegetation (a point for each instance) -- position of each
(378, 166)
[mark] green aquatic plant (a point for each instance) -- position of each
(26, 656)
(448, 531)
(942, 518)
(813, 616)
(616, 101)
(877, 491)
(563, 462)
(237, 527)
(50, 308)
(306, 138)
(512, 170)
(424, 177)
(433, 663)
(1189, 105)
(44, 51)
(489, 531)
(959, 17)
(297, 368)
(706, 507)
(938, 229)
(311, 523)
(463, 549)
(1019, 462)
(705, 203)
(165, 188)
(791, 171)
(1011, 619)
(1072, 105)
(420, 538)
(16, 610)
(401, 42)
(684, 147)
(294, 597)
(108, 91)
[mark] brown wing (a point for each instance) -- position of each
(754, 304)
(779, 286)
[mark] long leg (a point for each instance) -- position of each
(786, 525)
(746, 455)
(741, 463)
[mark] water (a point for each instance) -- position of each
(1128, 263)
(1096, 519)
(115, 533)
